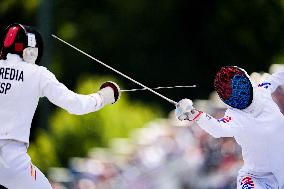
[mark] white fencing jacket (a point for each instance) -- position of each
(258, 129)
(21, 86)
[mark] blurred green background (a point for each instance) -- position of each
(159, 43)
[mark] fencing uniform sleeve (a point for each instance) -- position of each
(60, 95)
(217, 128)
(273, 81)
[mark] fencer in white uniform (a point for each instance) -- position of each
(22, 83)
(253, 119)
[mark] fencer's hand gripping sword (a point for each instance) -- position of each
(118, 72)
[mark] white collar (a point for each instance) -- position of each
(14, 57)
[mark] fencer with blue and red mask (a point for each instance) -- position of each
(252, 118)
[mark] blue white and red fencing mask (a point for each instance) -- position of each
(234, 87)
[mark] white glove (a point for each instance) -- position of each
(110, 92)
(185, 111)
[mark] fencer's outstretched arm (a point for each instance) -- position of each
(74, 103)
(217, 128)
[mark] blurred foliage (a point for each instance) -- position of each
(21, 11)
(43, 151)
(180, 41)
(73, 135)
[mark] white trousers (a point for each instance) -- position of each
(254, 180)
(16, 169)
